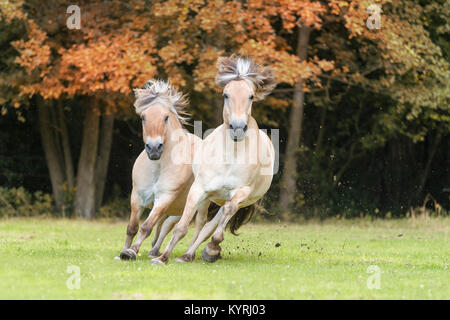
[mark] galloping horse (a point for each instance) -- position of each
(235, 167)
(162, 173)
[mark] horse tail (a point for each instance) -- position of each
(241, 217)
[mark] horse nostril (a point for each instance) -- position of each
(245, 128)
(231, 126)
(160, 146)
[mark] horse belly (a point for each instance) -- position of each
(222, 188)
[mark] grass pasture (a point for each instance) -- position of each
(313, 260)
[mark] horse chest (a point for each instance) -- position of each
(147, 195)
(148, 187)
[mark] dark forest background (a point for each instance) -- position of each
(385, 179)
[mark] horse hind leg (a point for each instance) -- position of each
(158, 227)
(158, 230)
(204, 234)
(211, 253)
(165, 228)
(200, 221)
(196, 195)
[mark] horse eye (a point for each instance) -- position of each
(225, 96)
(166, 118)
(251, 97)
(143, 118)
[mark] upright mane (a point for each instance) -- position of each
(160, 91)
(237, 67)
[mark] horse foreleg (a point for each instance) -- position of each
(164, 229)
(195, 196)
(133, 224)
(204, 234)
(212, 250)
(155, 214)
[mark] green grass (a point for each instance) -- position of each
(315, 260)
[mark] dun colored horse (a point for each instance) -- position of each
(235, 166)
(162, 174)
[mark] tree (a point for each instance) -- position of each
(99, 64)
(388, 63)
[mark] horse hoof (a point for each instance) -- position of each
(157, 261)
(185, 258)
(209, 258)
(153, 254)
(127, 254)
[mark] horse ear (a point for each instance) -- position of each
(224, 67)
(148, 84)
(223, 63)
(267, 83)
(227, 64)
(138, 92)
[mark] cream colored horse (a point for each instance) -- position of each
(162, 174)
(235, 167)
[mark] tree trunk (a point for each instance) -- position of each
(106, 137)
(65, 146)
(85, 196)
(447, 156)
(323, 115)
(288, 182)
(432, 151)
(52, 157)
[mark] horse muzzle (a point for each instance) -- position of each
(154, 150)
(238, 130)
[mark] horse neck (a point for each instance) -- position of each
(252, 123)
